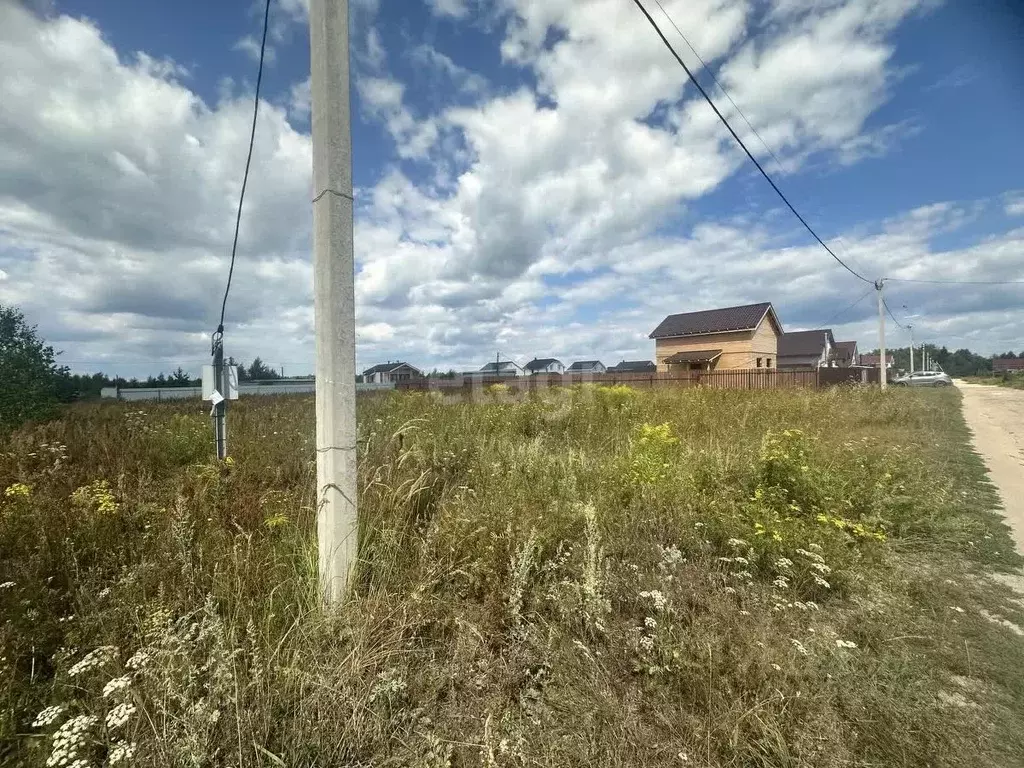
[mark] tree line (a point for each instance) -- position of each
(958, 362)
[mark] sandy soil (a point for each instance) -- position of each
(996, 417)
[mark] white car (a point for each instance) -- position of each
(924, 379)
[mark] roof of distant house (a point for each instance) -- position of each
(540, 363)
(875, 359)
(804, 343)
(1008, 364)
(726, 320)
(695, 356)
(629, 366)
(846, 349)
(387, 368)
(584, 365)
(499, 365)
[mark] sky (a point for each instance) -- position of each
(532, 177)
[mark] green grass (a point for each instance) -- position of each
(576, 578)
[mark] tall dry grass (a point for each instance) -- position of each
(580, 577)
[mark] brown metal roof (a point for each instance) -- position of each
(804, 343)
(744, 318)
(694, 356)
(845, 349)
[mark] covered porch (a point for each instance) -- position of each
(693, 360)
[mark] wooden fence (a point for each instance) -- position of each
(753, 378)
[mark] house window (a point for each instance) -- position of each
(768, 363)
(759, 362)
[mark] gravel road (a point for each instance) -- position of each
(996, 417)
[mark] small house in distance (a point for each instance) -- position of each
(499, 368)
(634, 366)
(386, 373)
(718, 339)
(872, 361)
(845, 354)
(543, 365)
(806, 349)
(586, 366)
(1008, 365)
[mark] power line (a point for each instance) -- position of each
(956, 282)
(719, 84)
(854, 304)
(743, 146)
(886, 305)
(248, 161)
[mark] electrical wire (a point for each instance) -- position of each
(248, 161)
(743, 146)
(854, 304)
(721, 87)
(886, 305)
(956, 282)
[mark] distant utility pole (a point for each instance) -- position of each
(333, 297)
(879, 285)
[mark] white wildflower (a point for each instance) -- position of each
(783, 563)
(744, 613)
(115, 685)
(120, 753)
(683, 757)
(956, 608)
(781, 582)
(725, 559)
(821, 582)
(730, 590)
(119, 715)
(69, 739)
(846, 644)
(812, 605)
(105, 592)
(776, 667)
(811, 555)
(48, 715)
(656, 597)
(745, 575)
(741, 560)
(671, 555)
(647, 643)
(650, 623)
(139, 660)
(737, 543)
(821, 568)
(8, 585)
(799, 646)
(93, 659)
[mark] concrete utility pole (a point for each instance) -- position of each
(881, 334)
(333, 297)
(911, 329)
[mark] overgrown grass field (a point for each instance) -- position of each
(582, 577)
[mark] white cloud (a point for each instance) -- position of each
(457, 9)
(250, 46)
(1015, 205)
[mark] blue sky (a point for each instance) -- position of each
(531, 177)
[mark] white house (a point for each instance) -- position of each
(544, 365)
(386, 373)
(500, 368)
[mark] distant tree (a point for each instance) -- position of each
(29, 372)
(260, 370)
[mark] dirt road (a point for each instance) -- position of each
(996, 417)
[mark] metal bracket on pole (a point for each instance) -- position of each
(220, 404)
